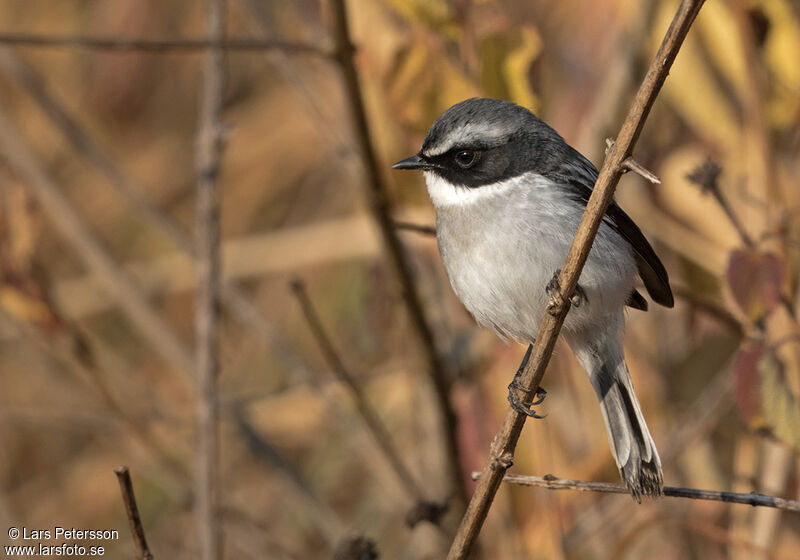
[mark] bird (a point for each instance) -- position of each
(509, 193)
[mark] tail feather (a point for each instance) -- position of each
(631, 443)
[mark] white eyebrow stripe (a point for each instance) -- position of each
(470, 133)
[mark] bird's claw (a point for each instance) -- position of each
(578, 297)
(539, 395)
(553, 290)
(514, 386)
(524, 408)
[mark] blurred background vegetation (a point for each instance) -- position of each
(93, 373)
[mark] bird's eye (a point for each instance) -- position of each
(466, 158)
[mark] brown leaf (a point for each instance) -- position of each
(747, 392)
(755, 280)
(23, 288)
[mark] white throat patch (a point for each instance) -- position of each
(443, 193)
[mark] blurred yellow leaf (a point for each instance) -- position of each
(21, 229)
(517, 64)
(506, 57)
(694, 93)
(421, 91)
(410, 81)
(24, 307)
(782, 52)
(780, 408)
(723, 42)
(436, 14)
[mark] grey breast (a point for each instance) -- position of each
(490, 253)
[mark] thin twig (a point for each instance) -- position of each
(423, 509)
(132, 510)
(187, 45)
(700, 418)
(710, 306)
(706, 176)
(555, 483)
(99, 380)
(381, 209)
(325, 519)
(632, 165)
(501, 452)
(208, 151)
(111, 278)
(371, 419)
(235, 300)
(417, 228)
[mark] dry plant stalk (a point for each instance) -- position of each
(158, 46)
(378, 430)
(207, 304)
(132, 510)
(423, 509)
(554, 483)
(501, 453)
(381, 209)
(114, 281)
(235, 300)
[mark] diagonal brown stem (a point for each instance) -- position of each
(378, 430)
(132, 510)
(380, 205)
(501, 453)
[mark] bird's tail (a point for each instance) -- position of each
(632, 445)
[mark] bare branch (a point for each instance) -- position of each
(158, 46)
(371, 419)
(632, 165)
(86, 367)
(236, 301)
(700, 418)
(325, 519)
(112, 280)
(423, 510)
(710, 306)
(555, 483)
(504, 443)
(706, 176)
(381, 209)
(417, 228)
(132, 510)
(207, 304)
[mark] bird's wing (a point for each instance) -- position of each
(580, 175)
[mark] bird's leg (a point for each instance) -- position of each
(516, 404)
(553, 290)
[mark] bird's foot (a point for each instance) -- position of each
(514, 386)
(553, 290)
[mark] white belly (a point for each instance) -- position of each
(502, 243)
